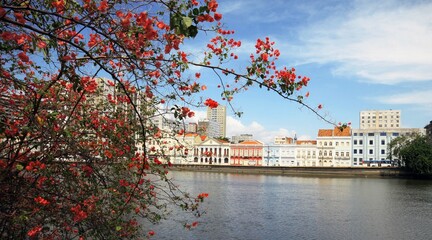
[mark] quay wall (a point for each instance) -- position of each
(362, 172)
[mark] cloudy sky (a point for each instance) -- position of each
(360, 55)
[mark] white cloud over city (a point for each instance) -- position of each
(382, 42)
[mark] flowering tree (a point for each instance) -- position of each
(80, 82)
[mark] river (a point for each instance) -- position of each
(242, 206)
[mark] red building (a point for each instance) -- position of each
(247, 153)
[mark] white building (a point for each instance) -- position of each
(334, 147)
(212, 151)
(306, 153)
(370, 146)
(380, 119)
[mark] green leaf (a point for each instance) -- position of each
(19, 167)
(187, 22)
(118, 228)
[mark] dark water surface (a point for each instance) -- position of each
(282, 207)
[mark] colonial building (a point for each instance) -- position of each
(334, 147)
(279, 155)
(249, 153)
(212, 151)
(306, 153)
(184, 151)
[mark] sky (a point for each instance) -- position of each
(360, 55)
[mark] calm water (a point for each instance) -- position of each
(282, 207)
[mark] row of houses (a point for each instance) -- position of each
(332, 148)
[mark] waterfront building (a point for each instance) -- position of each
(380, 119)
(212, 151)
(334, 147)
(279, 155)
(247, 153)
(370, 147)
(241, 138)
(183, 151)
(218, 115)
(306, 153)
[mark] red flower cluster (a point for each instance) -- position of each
(41, 201)
(211, 103)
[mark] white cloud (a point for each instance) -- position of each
(381, 43)
(236, 127)
(415, 98)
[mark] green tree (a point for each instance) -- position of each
(416, 154)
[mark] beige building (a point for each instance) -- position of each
(380, 119)
(218, 115)
(334, 147)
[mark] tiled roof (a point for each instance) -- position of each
(306, 142)
(251, 142)
(336, 132)
(325, 132)
(203, 137)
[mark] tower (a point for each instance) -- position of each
(218, 115)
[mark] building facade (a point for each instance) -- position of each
(247, 153)
(370, 147)
(218, 115)
(334, 147)
(380, 119)
(212, 151)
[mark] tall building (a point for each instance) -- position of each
(218, 115)
(208, 128)
(380, 119)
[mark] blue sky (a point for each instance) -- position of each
(360, 55)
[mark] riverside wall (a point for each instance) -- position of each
(362, 172)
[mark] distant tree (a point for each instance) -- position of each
(70, 167)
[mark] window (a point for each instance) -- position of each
(395, 134)
(361, 151)
(360, 142)
(382, 142)
(370, 142)
(355, 134)
(347, 154)
(342, 154)
(370, 151)
(360, 134)
(383, 134)
(382, 151)
(355, 151)
(370, 134)
(355, 142)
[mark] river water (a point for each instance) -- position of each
(244, 206)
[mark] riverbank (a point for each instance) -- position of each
(360, 172)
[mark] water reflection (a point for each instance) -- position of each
(280, 207)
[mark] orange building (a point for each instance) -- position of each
(247, 153)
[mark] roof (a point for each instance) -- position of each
(325, 133)
(336, 132)
(251, 142)
(342, 132)
(306, 142)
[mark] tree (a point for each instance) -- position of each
(416, 154)
(80, 84)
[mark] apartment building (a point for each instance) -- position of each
(380, 119)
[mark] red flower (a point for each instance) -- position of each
(264, 57)
(217, 16)
(197, 75)
(194, 224)
(103, 7)
(23, 56)
(211, 103)
(151, 233)
(307, 94)
(320, 106)
(34, 231)
(41, 201)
